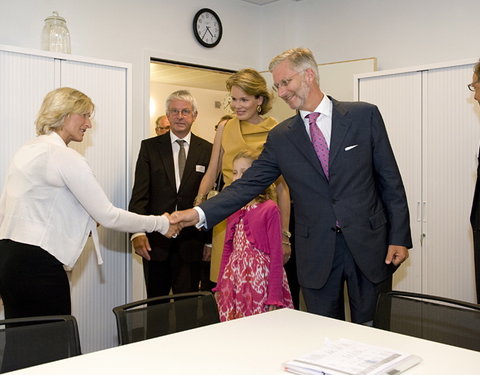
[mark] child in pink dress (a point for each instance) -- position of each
(252, 279)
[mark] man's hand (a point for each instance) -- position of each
(207, 253)
(396, 255)
(142, 246)
(173, 229)
(185, 218)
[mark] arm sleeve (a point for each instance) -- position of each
(390, 185)
(274, 238)
(79, 179)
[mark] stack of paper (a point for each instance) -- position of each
(346, 357)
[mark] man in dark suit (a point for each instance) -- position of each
(351, 214)
(475, 213)
(167, 176)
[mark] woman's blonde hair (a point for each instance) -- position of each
(269, 192)
(252, 82)
(57, 105)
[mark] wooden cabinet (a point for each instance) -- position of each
(26, 77)
(434, 127)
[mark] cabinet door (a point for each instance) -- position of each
(398, 98)
(25, 79)
(451, 138)
(97, 289)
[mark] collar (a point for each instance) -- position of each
(52, 138)
(325, 108)
(173, 138)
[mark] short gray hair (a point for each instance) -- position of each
(300, 58)
(184, 95)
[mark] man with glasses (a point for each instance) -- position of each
(475, 214)
(167, 176)
(162, 125)
(351, 214)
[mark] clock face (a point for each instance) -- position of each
(207, 28)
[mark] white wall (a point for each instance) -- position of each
(399, 33)
(133, 31)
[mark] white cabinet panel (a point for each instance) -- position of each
(22, 78)
(400, 106)
(433, 124)
(26, 77)
(451, 135)
(97, 289)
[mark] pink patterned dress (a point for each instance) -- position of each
(251, 273)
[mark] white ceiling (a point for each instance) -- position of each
(189, 77)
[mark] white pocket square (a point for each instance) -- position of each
(348, 148)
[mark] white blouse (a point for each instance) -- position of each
(51, 199)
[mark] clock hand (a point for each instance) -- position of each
(203, 36)
(208, 29)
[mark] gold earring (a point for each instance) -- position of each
(259, 108)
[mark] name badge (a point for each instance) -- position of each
(200, 168)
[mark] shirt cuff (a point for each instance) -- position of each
(202, 221)
(135, 235)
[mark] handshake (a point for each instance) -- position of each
(179, 220)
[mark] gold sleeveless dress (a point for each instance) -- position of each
(237, 136)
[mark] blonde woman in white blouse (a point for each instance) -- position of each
(51, 203)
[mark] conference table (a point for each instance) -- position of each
(257, 344)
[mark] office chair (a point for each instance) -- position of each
(32, 341)
(429, 317)
(163, 315)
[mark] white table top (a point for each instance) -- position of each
(255, 345)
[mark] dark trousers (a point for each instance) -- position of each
(476, 259)
(291, 265)
(32, 281)
(362, 293)
(171, 274)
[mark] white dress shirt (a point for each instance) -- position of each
(175, 150)
(51, 199)
(324, 121)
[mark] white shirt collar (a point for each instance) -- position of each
(325, 108)
(174, 138)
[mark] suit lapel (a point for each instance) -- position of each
(340, 125)
(298, 135)
(166, 156)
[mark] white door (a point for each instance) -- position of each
(434, 128)
(25, 80)
(398, 98)
(451, 136)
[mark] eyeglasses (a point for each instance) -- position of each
(471, 86)
(285, 82)
(176, 112)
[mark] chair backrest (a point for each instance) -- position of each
(429, 317)
(160, 316)
(31, 341)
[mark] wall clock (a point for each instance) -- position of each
(207, 28)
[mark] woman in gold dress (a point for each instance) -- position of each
(247, 130)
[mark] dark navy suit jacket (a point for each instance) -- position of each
(364, 193)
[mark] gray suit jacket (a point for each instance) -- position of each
(365, 192)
